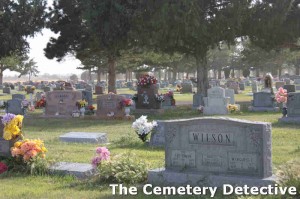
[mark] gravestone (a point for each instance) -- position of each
(186, 88)
(215, 151)
(18, 96)
(297, 87)
(79, 170)
(287, 81)
(263, 101)
(197, 100)
(1, 86)
(6, 90)
(297, 81)
(83, 137)
(14, 106)
(233, 85)
(146, 98)
(242, 86)
(167, 103)
(5, 145)
(47, 89)
(254, 86)
(61, 102)
(99, 89)
(88, 96)
(89, 87)
(230, 93)
(108, 106)
(290, 88)
(279, 84)
(216, 102)
(21, 88)
(293, 108)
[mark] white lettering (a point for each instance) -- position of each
(230, 191)
(145, 189)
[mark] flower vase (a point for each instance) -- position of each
(127, 111)
(284, 111)
(44, 111)
(82, 111)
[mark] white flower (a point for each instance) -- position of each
(142, 126)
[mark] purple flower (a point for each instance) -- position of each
(7, 118)
(96, 161)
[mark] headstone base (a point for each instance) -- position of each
(148, 111)
(78, 170)
(295, 120)
(162, 177)
(263, 109)
(168, 107)
(82, 137)
(216, 110)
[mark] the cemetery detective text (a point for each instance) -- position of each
(227, 189)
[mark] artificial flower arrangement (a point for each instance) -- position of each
(41, 103)
(159, 97)
(3, 167)
(142, 127)
(12, 126)
(170, 94)
(126, 102)
(25, 103)
(232, 108)
(81, 103)
(102, 154)
(200, 109)
(90, 110)
(147, 80)
(27, 149)
(281, 95)
(29, 89)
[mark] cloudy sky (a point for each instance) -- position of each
(37, 44)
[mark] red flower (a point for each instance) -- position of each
(3, 167)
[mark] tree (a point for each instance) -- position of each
(18, 20)
(28, 68)
(193, 27)
(97, 25)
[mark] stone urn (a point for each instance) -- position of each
(127, 111)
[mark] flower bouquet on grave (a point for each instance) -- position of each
(142, 127)
(81, 104)
(90, 110)
(103, 154)
(170, 94)
(281, 97)
(29, 89)
(232, 108)
(126, 102)
(135, 97)
(12, 126)
(147, 80)
(41, 103)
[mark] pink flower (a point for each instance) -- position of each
(96, 161)
(3, 167)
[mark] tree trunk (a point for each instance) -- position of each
(98, 74)
(159, 75)
(90, 75)
(219, 74)
(297, 69)
(233, 73)
(174, 74)
(112, 74)
(257, 72)
(202, 75)
(1, 74)
(279, 71)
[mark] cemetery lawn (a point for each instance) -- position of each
(286, 147)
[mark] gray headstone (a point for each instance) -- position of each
(290, 88)
(15, 106)
(242, 86)
(230, 93)
(6, 90)
(88, 96)
(293, 104)
(254, 86)
(297, 81)
(18, 96)
(297, 87)
(262, 99)
(47, 89)
(79, 170)
(100, 138)
(215, 151)
(187, 88)
(197, 100)
(215, 103)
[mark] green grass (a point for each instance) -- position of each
(285, 147)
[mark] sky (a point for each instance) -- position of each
(37, 44)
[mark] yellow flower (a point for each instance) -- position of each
(44, 149)
(17, 144)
